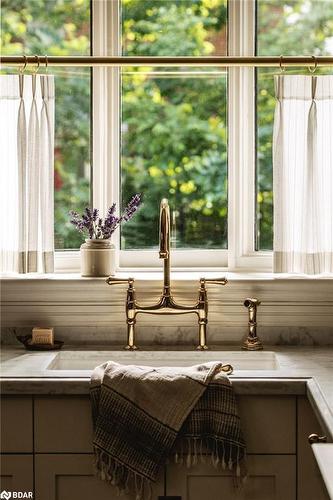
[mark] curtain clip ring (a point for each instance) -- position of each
(46, 63)
(38, 63)
(312, 70)
(282, 68)
(22, 68)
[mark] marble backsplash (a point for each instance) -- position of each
(181, 335)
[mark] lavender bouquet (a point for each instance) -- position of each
(102, 229)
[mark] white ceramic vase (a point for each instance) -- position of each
(97, 258)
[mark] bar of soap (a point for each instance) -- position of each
(43, 336)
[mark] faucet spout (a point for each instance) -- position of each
(164, 229)
(165, 244)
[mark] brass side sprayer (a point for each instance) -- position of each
(252, 341)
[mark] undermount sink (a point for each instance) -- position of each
(240, 360)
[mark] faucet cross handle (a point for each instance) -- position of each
(130, 307)
(202, 308)
(213, 281)
(111, 280)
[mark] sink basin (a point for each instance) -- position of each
(88, 360)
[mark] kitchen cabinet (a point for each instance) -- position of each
(54, 433)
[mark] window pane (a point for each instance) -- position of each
(174, 27)
(295, 27)
(174, 123)
(59, 27)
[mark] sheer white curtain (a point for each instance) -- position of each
(27, 161)
(303, 174)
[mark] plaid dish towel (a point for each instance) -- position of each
(142, 415)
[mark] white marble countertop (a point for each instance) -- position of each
(324, 457)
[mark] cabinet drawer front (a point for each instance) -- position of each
(63, 424)
(269, 478)
(16, 424)
(71, 477)
(16, 473)
(268, 423)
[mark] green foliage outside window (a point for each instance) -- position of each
(174, 127)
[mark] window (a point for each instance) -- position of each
(59, 27)
(201, 136)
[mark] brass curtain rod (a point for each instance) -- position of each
(226, 61)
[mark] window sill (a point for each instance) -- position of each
(153, 275)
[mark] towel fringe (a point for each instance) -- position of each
(195, 452)
(224, 454)
(109, 469)
(200, 451)
(189, 454)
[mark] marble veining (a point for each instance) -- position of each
(181, 335)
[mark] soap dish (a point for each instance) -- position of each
(26, 341)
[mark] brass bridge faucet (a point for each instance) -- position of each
(166, 304)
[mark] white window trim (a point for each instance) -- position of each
(241, 254)
(241, 152)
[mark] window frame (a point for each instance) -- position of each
(241, 254)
